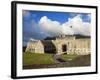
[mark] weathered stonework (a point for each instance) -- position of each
(61, 45)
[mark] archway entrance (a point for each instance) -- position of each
(64, 48)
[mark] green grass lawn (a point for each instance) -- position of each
(37, 59)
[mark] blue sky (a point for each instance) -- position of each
(31, 18)
(58, 16)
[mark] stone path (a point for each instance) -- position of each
(57, 58)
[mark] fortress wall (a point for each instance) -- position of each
(39, 48)
(73, 46)
(29, 47)
(35, 47)
(81, 46)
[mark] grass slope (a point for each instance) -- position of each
(37, 59)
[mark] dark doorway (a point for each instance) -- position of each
(24, 48)
(64, 48)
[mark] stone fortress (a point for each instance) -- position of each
(63, 44)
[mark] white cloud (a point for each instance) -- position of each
(73, 26)
(88, 17)
(52, 28)
(78, 26)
